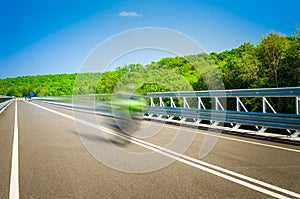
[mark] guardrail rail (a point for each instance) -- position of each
(4, 101)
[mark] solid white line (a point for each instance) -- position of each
(217, 173)
(222, 169)
(14, 176)
(187, 160)
(234, 139)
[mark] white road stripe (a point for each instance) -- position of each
(14, 176)
(193, 162)
(234, 139)
(223, 170)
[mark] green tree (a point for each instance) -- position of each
(291, 63)
(271, 52)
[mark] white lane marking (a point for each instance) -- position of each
(234, 139)
(14, 176)
(223, 170)
(190, 161)
(217, 173)
(6, 106)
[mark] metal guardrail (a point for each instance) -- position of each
(5, 98)
(4, 101)
(217, 113)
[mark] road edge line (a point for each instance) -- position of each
(14, 176)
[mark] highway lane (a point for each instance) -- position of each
(54, 163)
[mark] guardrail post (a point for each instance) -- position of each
(172, 102)
(215, 123)
(265, 101)
(172, 105)
(264, 104)
(185, 103)
(161, 103)
(151, 101)
(200, 103)
(263, 129)
(297, 105)
(238, 108)
(238, 104)
(152, 105)
(216, 103)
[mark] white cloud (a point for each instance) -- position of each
(129, 14)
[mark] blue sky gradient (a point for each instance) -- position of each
(50, 37)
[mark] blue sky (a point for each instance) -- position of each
(50, 37)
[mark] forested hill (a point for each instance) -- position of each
(44, 85)
(273, 62)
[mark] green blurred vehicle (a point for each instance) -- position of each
(128, 111)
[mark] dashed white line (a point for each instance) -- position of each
(215, 170)
(14, 176)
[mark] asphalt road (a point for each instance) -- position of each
(68, 154)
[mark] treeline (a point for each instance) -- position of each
(273, 62)
(46, 85)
